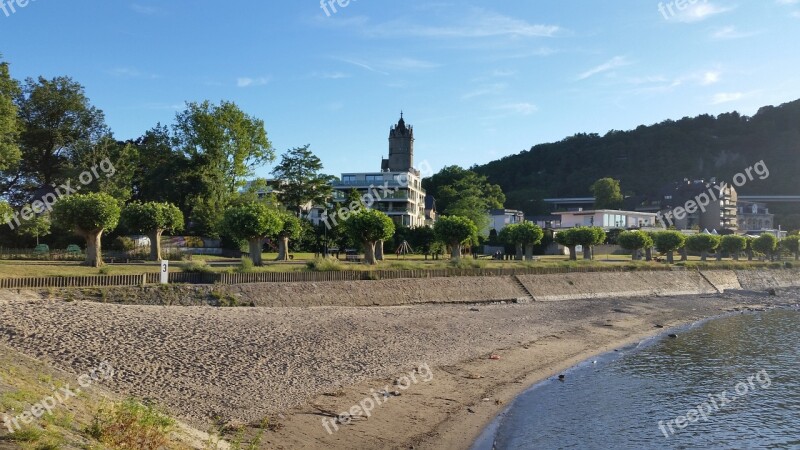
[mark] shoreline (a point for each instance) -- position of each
(241, 365)
(465, 413)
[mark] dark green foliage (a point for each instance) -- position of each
(652, 156)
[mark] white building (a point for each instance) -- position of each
(607, 219)
(397, 189)
(501, 218)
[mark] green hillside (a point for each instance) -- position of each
(650, 156)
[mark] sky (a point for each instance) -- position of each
(478, 80)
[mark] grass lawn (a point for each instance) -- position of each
(17, 269)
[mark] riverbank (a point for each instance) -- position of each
(232, 368)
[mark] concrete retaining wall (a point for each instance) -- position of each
(379, 293)
(627, 284)
(722, 280)
(399, 292)
(765, 279)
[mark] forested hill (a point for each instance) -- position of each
(650, 156)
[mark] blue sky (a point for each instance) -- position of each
(478, 79)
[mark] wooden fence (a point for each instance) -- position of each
(287, 277)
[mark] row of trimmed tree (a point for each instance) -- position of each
(669, 242)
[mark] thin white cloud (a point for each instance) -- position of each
(710, 78)
(244, 82)
(726, 97)
(695, 13)
(731, 32)
(483, 24)
(382, 66)
(613, 63)
(476, 23)
(364, 65)
(330, 75)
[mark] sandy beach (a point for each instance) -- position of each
(211, 366)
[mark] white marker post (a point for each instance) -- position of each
(165, 272)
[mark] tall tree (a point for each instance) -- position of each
(607, 194)
(454, 183)
(224, 145)
(301, 181)
(88, 216)
(57, 119)
(162, 168)
(9, 123)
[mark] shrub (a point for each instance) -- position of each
(131, 425)
(123, 244)
(467, 263)
(324, 265)
(246, 265)
(197, 267)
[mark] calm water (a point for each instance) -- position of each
(617, 403)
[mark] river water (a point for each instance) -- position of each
(729, 383)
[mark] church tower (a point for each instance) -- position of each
(401, 148)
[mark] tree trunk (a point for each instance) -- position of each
(649, 253)
(704, 255)
(749, 255)
(572, 253)
(635, 255)
(719, 255)
(529, 252)
(455, 251)
(94, 256)
(670, 257)
(255, 252)
(379, 250)
(283, 248)
(735, 256)
(587, 252)
(369, 253)
(797, 256)
(155, 245)
(520, 254)
(684, 254)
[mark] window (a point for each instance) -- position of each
(375, 178)
(348, 179)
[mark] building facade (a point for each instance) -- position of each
(607, 218)
(501, 218)
(396, 189)
(755, 217)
